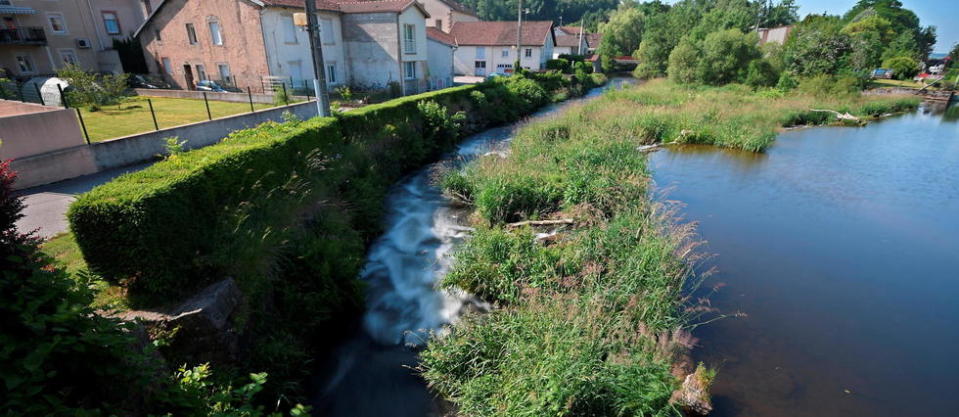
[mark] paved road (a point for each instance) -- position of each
(46, 205)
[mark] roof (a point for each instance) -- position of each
(571, 30)
(500, 33)
(440, 36)
(567, 40)
(593, 40)
(341, 6)
(459, 7)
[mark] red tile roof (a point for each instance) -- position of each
(567, 40)
(351, 6)
(440, 36)
(500, 33)
(571, 30)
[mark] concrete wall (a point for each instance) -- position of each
(243, 49)
(30, 129)
(88, 159)
(293, 59)
(372, 45)
(440, 64)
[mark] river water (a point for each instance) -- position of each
(370, 374)
(841, 245)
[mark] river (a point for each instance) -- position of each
(370, 374)
(841, 246)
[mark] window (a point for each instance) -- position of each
(410, 70)
(505, 53)
(326, 32)
(68, 56)
(331, 73)
(529, 52)
(289, 29)
(215, 32)
(481, 52)
(110, 22)
(156, 34)
(167, 66)
(409, 39)
(57, 24)
(201, 72)
(439, 23)
(25, 64)
(224, 71)
(480, 64)
(191, 33)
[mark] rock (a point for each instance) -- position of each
(693, 397)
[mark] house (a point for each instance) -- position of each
(570, 40)
(484, 48)
(254, 43)
(777, 34)
(39, 37)
(592, 42)
(440, 48)
(443, 13)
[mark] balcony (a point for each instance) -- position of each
(23, 36)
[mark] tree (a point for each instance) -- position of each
(622, 34)
(658, 41)
(726, 55)
(683, 62)
(727, 14)
(782, 14)
(817, 46)
(903, 67)
(86, 89)
(903, 45)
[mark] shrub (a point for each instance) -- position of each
(281, 95)
(88, 90)
(786, 81)
(903, 67)
(761, 74)
(560, 65)
(683, 62)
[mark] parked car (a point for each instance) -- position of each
(209, 85)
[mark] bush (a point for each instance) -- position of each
(761, 74)
(88, 90)
(903, 67)
(787, 81)
(560, 65)
(683, 62)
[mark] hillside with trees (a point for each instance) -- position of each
(559, 11)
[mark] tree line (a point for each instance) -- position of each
(715, 41)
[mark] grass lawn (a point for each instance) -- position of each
(896, 83)
(66, 254)
(133, 115)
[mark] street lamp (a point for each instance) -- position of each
(308, 21)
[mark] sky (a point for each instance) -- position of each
(943, 14)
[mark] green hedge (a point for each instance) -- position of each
(205, 214)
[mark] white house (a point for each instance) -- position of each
(569, 41)
(440, 48)
(443, 13)
(484, 48)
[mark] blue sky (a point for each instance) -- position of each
(943, 14)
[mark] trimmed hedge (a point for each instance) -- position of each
(189, 220)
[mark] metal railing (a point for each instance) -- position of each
(23, 36)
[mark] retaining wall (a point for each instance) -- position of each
(74, 161)
(29, 129)
(229, 97)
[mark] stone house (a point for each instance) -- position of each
(39, 37)
(443, 13)
(254, 43)
(485, 48)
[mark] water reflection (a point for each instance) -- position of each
(840, 244)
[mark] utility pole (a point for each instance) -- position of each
(319, 67)
(519, 36)
(582, 24)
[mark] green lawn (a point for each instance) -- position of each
(66, 254)
(896, 83)
(133, 115)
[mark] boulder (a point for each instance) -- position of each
(693, 397)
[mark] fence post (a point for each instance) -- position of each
(39, 94)
(209, 116)
(153, 114)
(84, 126)
(63, 98)
(249, 94)
(286, 96)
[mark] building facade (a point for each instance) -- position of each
(255, 44)
(440, 49)
(39, 37)
(485, 48)
(444, 13)
(569, 41)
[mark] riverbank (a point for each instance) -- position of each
(590, 276)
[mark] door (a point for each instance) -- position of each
(479, 69)
(188, 75)
(296, 71)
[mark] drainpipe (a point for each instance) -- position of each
(399, 53)
(95, 31)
